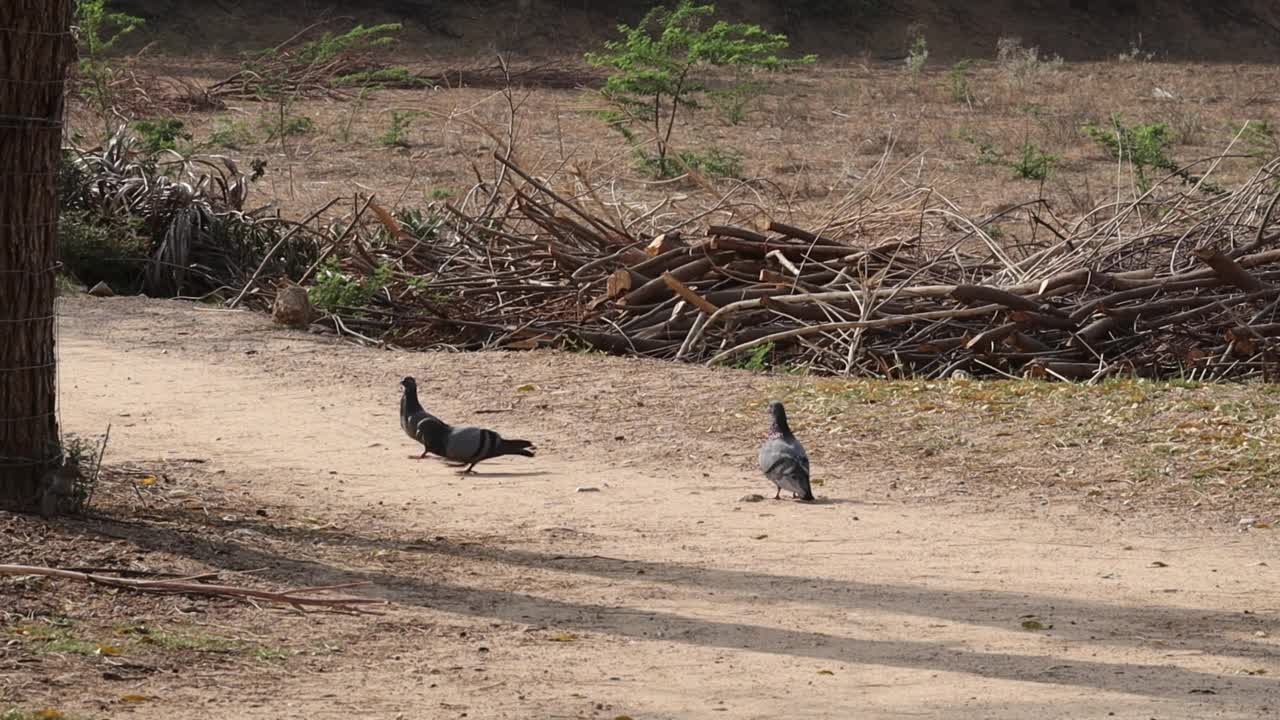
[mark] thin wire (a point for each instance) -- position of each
(28, 225)
(31, 463)
(29, 417)
(31, 126)
(17, 368)
(29, 319)
(51, 268)
(41, 33)
(31, 82)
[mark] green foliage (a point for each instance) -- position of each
(1142, 146)
(102, 248)
(1029, 162)
(330, 46)
(733, 102)
(958, 82)
(335, 289)
(98, 31)
(757, 360)
(162, 134)
(231, 134)
(658, 64)
(397, 135)
(385, 77)
(917, 51)
(1032, 163)
(1262, 139)
(281, 123)
(265, 72)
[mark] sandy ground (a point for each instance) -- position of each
(662, 594)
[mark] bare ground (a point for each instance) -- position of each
(900, 593)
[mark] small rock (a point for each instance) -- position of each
(587, 488)
(751, 498)
(102, 290)
(1260, 633)
(292, 307)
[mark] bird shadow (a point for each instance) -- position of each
(514, 474)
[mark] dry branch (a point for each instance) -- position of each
(298, 598)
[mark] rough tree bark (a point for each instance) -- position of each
(35, 47)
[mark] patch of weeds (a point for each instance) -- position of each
(162, 134)
(265, 654)
(55, 635)
(1145, 148)
(1023, 66)
(439, 194)
(231, 134)
(758, 359)
(1262, 139)
(732, 103)
(957, 82)
(1028, 162)
(1135, 53)
(1032, 163)
(334, 289)
(397, 134)
(917, 51)
(283, 123)
(714, 162)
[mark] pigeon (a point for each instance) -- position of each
(783, 459)
(469, 445)
(412, 416)
(464, 445)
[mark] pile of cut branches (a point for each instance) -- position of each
(318, 67)
(898, 283)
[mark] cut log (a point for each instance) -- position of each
(729, 231)
(657, 288)
(666, 242)
(1229, 270)
(622, 282)
(799, 234)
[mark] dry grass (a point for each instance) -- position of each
(1121, 445)
(805, 141)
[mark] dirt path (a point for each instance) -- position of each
(661, 595)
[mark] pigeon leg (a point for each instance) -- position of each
(425, 453)
(468, 471)
(778, 495)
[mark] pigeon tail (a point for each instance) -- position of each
(515, 447)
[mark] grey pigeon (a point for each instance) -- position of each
(783, 459)
(412, 416)
(464, 445)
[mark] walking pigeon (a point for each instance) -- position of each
(464, 445)
(412, 416)
(783, 459)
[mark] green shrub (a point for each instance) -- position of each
(1144, 147)
(162, 134)
(658, 68)
(958, 82)
(334, 289)
(1032, 163)
(96, 248)
(397, 135)
(231, 134)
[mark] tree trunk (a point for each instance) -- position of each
(35, 47)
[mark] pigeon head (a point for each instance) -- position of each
(779, 416)
(409, 383)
